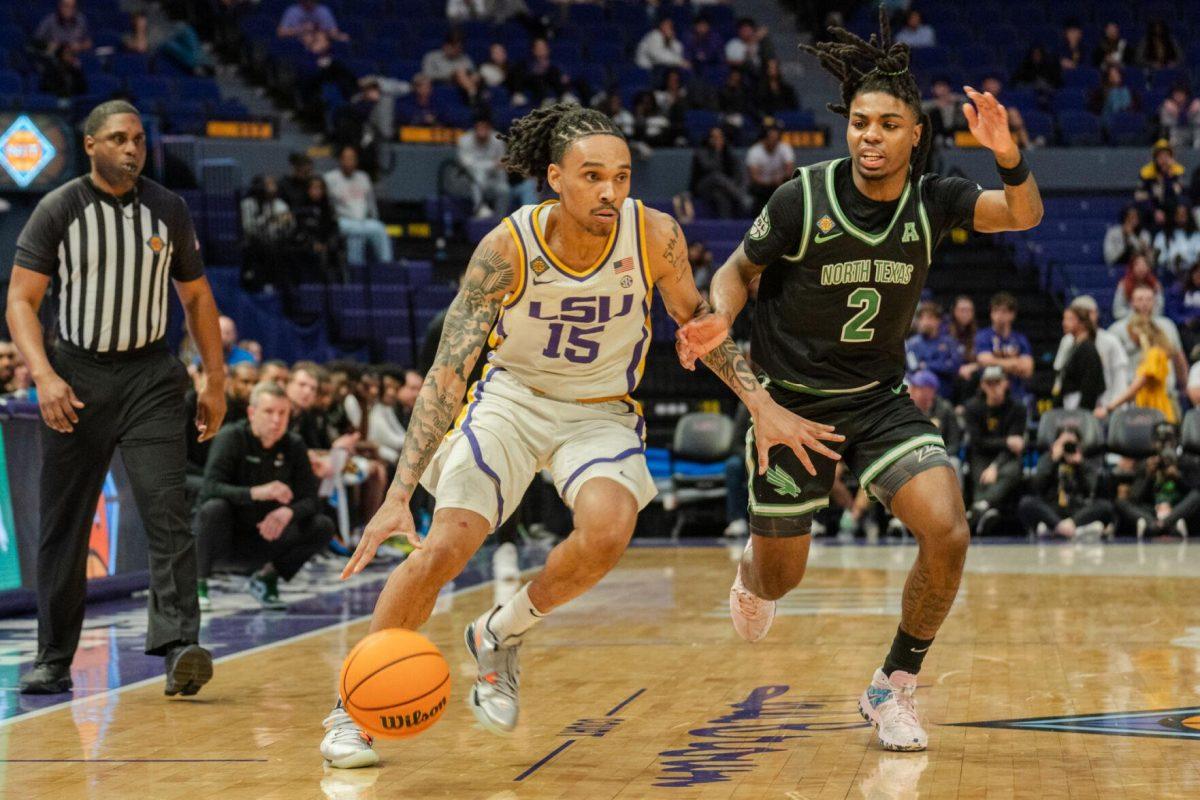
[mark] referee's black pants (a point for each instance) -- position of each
(135, 402)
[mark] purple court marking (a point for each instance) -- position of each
(111, 658)
(545, 759)
(625, 702)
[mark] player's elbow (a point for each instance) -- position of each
(1027, 218)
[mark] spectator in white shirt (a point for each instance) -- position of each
(1113, 357)
(353, 199)
(383, 426)
(1193, 385)
(450, 64)
(479, 153)
(749, 49)
(770, 163)
(1143, 305)
(1178, 243)
(1124, 239)
(661, 47)
(915, 32)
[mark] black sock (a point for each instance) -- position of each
(906, 654)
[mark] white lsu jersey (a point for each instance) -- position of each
(574, 335)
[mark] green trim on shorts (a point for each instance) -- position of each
(802, 389)
(774, 509)
(895, 454)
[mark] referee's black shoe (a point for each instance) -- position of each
(188, 668)
(47, 679)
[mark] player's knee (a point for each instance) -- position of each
(945, 535)
(777, 579)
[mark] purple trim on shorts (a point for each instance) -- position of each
(633, 451)
(640, 427)
(477, 452)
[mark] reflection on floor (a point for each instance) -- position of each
(1065, 671)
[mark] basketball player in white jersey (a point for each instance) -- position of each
(564, 289)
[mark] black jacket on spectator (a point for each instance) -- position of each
(238, 461)
(989, 426)
(197, 451)
(943, 417)
(1083, 373)
(1067, 487)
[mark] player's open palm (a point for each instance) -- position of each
(701, 335)
(775, 425)
(988, 120)
(394, 518)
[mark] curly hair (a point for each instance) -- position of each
(541, 137)
(875, 65)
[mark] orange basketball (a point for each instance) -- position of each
(395, 683)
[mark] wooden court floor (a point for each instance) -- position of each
(642, 690)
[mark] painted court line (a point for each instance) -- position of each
(80, 701)
(625, 702)
(546, 758)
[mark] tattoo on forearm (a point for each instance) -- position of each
(676, 253)
(927, 599)
(468, 322)
(731, 366)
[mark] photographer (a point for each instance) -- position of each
(1064, 500)
(1162, 499)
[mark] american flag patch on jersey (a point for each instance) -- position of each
(624, 265)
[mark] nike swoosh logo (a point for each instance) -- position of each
(536, 282)
(898, 389)
(915, 650)
(819, 238)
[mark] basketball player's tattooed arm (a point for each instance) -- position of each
(672, 273)
(1016, 208)
(491, 272)
(728, 293)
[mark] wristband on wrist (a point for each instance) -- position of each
(1014, 176)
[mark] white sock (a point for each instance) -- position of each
(514, 617)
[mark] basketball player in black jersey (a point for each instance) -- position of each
(843, 250)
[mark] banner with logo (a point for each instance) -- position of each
(10, 563)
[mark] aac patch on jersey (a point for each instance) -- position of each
(761, 226)
(539, 265)
(825, 224)
(910, 233)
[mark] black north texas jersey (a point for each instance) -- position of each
(844, 275)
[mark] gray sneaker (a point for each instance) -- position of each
(493, 698)
(345, 745)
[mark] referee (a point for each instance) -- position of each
(107, 242)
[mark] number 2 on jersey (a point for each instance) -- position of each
(866, 299)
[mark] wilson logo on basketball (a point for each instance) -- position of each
(396, 722)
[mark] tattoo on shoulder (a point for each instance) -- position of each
(488, 271)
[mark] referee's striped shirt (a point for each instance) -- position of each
(109, 259)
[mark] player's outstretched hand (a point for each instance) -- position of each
(699, 336)
(774, 424)
(58, 403)
(988, 121)
(392, 519)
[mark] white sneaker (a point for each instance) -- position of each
(505, 565)
(752, 616)
(346, 746)
(1090, 532)
(888, 704)
(737, 529)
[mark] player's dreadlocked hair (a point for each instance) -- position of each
(540, 138)
(877, 65)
